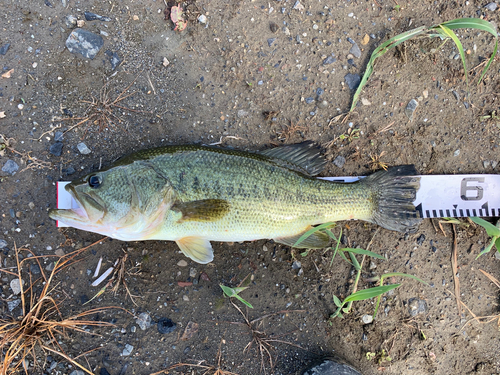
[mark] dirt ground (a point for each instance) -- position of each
(254, 75)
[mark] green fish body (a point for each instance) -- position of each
(196, 194)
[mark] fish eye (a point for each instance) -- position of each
(94, 181)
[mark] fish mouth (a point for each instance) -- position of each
(90, 211)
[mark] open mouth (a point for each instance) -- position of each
(88, 210)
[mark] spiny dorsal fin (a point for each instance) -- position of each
(317, 240)
(202, 210)
(304, 157)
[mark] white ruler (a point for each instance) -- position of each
(464, 195)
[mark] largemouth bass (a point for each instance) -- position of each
(196, 194)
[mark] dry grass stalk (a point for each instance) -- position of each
(263, 343)
(101, 110)
(41, 323)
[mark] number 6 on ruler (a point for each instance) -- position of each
(464, 188)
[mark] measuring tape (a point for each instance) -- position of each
(438, 196)
(462, 195)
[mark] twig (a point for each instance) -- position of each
(454, 267)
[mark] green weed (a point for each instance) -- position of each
(492, 230)
(444, 31)
(234, 292)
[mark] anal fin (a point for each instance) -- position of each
(196, 248)
(317, 240)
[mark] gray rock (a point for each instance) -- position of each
(491, 6)
(89, 16)
(331, 367)
(202, 19)
(486, 164)
(494, 164)
(3, 244)
(56, 149)
(77, 372)
(356, 52)
(10, 167)
(82, 147)
(241, 113)
(4, 48)
(339, 161)
(296, 265)
(456, 94)
(309, 100)
(367, 319)
(70, 21)
(58, 136)
(143, 321)
(270, 41)
(410, 109)
(85, 43)
(114, 59)
(329, 60)
(456, 153)
(128, 350)
(352, 80)
(11, 305)
(417, 306)
(15, 285)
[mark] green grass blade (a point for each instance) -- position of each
(448, 33)
(355, 262)
(391, 274)
(243, 301)
(487, 249)
(364, 294)
(492, 230)
(380, 51)
(363, 252)
(337, 247)
(312, 231)
(337, 301)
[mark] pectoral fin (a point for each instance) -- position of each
(317, 240)
(202, 210)
(196, 248)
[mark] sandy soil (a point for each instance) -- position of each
(254, 75)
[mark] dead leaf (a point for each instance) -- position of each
(190, 331)
(2, 114)
(8, 74)
(182, 284)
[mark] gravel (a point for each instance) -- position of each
(56, 149)
(339, 161)
(410, 108)
(128, 350)
(352, 80)
(82, 147)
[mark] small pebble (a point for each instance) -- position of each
(3, 244)
(143, 321)
(355, 51)
(56, 149)
(89, 16)
(128, 350)
(367, 319)
(11, 305)
(15, 285)
(85, 43)
(77, 372)
(182, 263)
(309, 100)
(82, 147)
(339, 161)
(417, 306)
(296, 265)
(410, 109)
(456, 153)
(202, 19)
(320, 91)
(4, 48)
(274, 27)
(329, 60)
(10, 167)
(270, 41)
(70, 21)
(420, 240)
(114, 59)
(365, 101)
(486, 163)
(58, 136)
(491, 6)
(352, 80)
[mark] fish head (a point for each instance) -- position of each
(106, 202)
(126, 202)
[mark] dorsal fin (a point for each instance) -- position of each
(304, 157)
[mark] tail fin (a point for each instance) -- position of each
(394, 193)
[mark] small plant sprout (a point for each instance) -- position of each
(444, 31)
(234, 292)
(492, 230)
